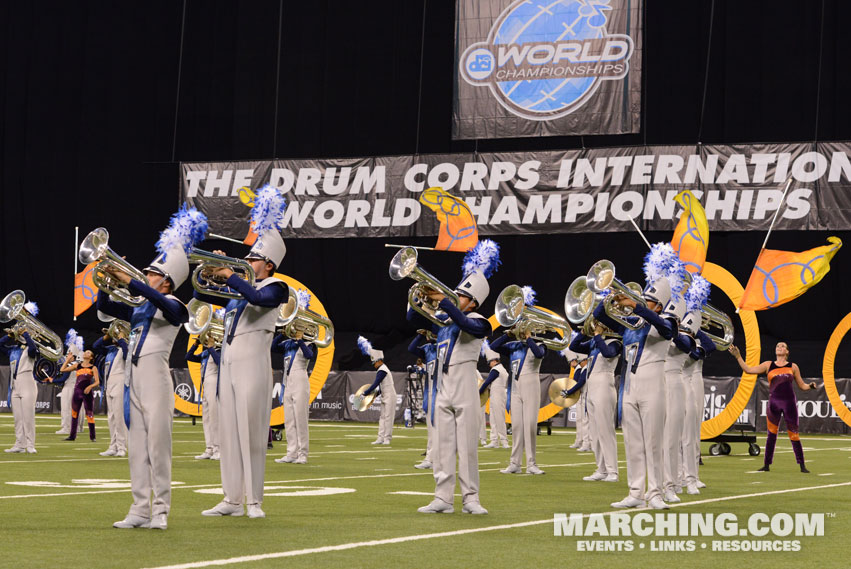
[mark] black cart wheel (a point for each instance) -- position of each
(753, 449)
(714, 449)
(725, 448)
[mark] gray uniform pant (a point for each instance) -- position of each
(149, 436)
(525, 402)
(296, 403)
(24, 395)
(457, 426)
(210, 412)
(643, 429)
(497, 415)
(602, 407)
(587, 432)
(245, 406)
(690, 441)
(388, 414)
(674, 426)
(115, 412)
(66, 395)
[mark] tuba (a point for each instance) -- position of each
(512, 312)
(718, 326)
(204, 322)
(95, 249)
(601, 278)
(205, 282)
(294, 318)
(12, 308)
(404, 264)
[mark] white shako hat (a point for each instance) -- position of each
(479, 264)
(487, 353)
(267, 220)
(367, 350)
(187, 227)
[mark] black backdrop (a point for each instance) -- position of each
(100, 101)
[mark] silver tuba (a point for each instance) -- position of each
(601, 278)
(512, 312)
(404, 264)
(95, 249)
(718, 326)
(294, 318)
(204, 322)
(117, 328)
(205, 282)
(12, 308)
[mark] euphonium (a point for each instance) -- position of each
(117, 329)
(601, 277)
(404, 264)
(579, 301)
(12, 308)
(204, 322)
(512, 312)
(205, 282)
(294, 318)
(95, 249)
(714, 319)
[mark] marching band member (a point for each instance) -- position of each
(424, 347)
(497, 382)
(22, 385)
(644, 355)
(705, 347)
(384, 384)
(209, 358)
(67, 391)
(583, 433)
(245, 375)
(88, 378)
(154, 326)
(524, 392)
(296, 385)
(457, 403)
(602, 398)
(782, 376)
(115, 352)
(693, 381)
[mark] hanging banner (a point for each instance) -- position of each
(552, 68)
(591, 190)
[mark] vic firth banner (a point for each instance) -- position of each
(548, 68)
(591, 190)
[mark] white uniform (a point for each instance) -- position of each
(245, 401)
(115, 404)
(525, 402)
(498, 389)
(388, 405)
(674, 417)
(456, 420)
(602, 408)
(644, 417)
(24, 395)
(296, 405)
(210, 407)
(585, 436)
(692, 455)
(65, 396)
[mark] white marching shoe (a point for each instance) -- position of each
(437, 506)
(534, 470)
(473, 508)
(596, 477)
(671, 496)
(224, 509)
(424, 465)
(108, 452)
(629, 502)
(120, 453)
(206, 455)
(285, 459)
(159, 521)
(301, 460)
(691, 488)
(255, 511)
(377, 442)
(491, 444)
(132, 521)
(611, 478)
(657, 503)
(700, 484)
(511, 469)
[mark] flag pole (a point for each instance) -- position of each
(635, 225)
(76, 260)
(223, 238)
(409, 246)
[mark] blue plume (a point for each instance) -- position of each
(658, 262)
(31, 307)
(698, 293)
(529, 296)
(70, 338)
(485, 347)
(483, 258)
(677, 278)
(220, 314)
(364, 345)
(268, 210)
(186, 228)
(78, 343)
(303, 298)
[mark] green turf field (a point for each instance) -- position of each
(355, 496)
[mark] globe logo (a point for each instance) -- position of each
(544, 60)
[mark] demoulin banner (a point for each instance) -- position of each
(561, 67)
(591, 190)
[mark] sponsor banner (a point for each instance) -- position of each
(566, 67)
(331, 401)
(590, 190)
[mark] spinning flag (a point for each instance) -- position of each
(85, 291)
(458, 231)
(246, 196)
(691, 237)
(781, 276)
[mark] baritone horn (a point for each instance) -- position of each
(12, 308)
(601, 278)
(294, 318)
(118, 329)
(718, 326)
(204, 281)
(204, 322)
(404, 264)
(95, 249)
(512, 312)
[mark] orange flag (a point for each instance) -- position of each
(691, 237)
(85, 291)
(246, 196)
(781, 276)
(458, 231)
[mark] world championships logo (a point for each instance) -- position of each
(544, 61)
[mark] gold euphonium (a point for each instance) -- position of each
(404, 264)
(12, 308)
(204, 322)
(601, 278)
(205, 282)
(512, 312)
(294, 318)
